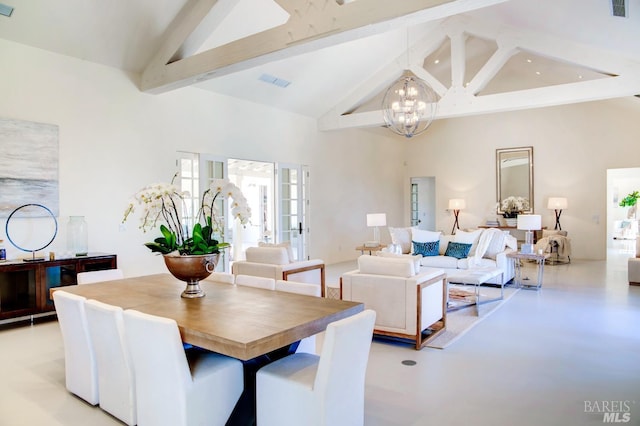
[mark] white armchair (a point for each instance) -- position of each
(274, 262)
(407, 299)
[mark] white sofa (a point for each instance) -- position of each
(275, 262)
(407, 298)
(489, 248)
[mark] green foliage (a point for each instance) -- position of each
(630, 200)
(200, 242)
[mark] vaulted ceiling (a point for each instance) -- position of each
(333, 59)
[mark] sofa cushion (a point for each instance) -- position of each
(496, 245)
(402, 237)
(268, 255)
(423, 236)
(446, 262)
(458, 250)
(444, 242)
(468, 237)
(430, 248)
(285, 244)
(416, 259)
(378, 265)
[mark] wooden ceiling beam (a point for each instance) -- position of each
(313, 24)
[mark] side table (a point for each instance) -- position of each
(364, 248)
(519, 257)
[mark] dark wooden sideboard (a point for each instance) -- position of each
(24, 286)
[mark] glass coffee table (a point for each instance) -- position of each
(519, 257)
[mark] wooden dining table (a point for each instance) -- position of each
(238, 321)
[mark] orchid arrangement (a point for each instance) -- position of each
(514, 204)
(162, 203)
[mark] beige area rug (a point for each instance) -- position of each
(464, 319)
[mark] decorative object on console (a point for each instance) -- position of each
(557, 204)
(38, 238)
(409, 105)
(166, 203)
(77, 236)
(456, 204)
(375, 221)
(529, 223)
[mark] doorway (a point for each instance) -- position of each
(622, 223)
(423, 202)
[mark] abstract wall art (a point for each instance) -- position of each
(28, 165)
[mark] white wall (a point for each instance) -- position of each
(115, 139)
(573, 146)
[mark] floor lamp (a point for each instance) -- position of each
(529, 223)
(456, 204)
(557, 204)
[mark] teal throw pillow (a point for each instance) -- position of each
(458, 250)
(430, 248)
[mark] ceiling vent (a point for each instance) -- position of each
(274, 80)
(619, 8)
(6, 10)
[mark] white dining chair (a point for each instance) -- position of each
(91, 277)
(257, 282)
(81, 372)
(221, 277)
(116, 382)
(171, 388)
(325, 390)
(308, 344)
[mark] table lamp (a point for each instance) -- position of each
(529, 223)
(375, 220)
(557, 204)
(456, 204)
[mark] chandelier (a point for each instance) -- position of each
(409, 105)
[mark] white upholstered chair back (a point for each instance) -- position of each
(308, 344)
(81, 374)
(257, 282)
(91, 277)
(298, 288)
(341, 371)
(171, 388)
(115, 370)
(326, 390)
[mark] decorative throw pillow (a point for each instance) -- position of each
(402, 237)
(430, 248)
(468, 237)
(423, 236)
(458, 250)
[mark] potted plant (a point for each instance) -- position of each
(190, 252)
(631, 200)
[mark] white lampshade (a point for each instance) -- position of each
(457, 204)
(529, 222)
(557, 203)
(376, 219)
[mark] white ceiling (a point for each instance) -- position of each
(564, 37)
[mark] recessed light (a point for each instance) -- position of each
(437, 61)
(538, 73)
(579, 77)
(529, 60)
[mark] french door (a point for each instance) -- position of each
(277, 194)
(293, 208)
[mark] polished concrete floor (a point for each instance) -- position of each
(549, 357)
